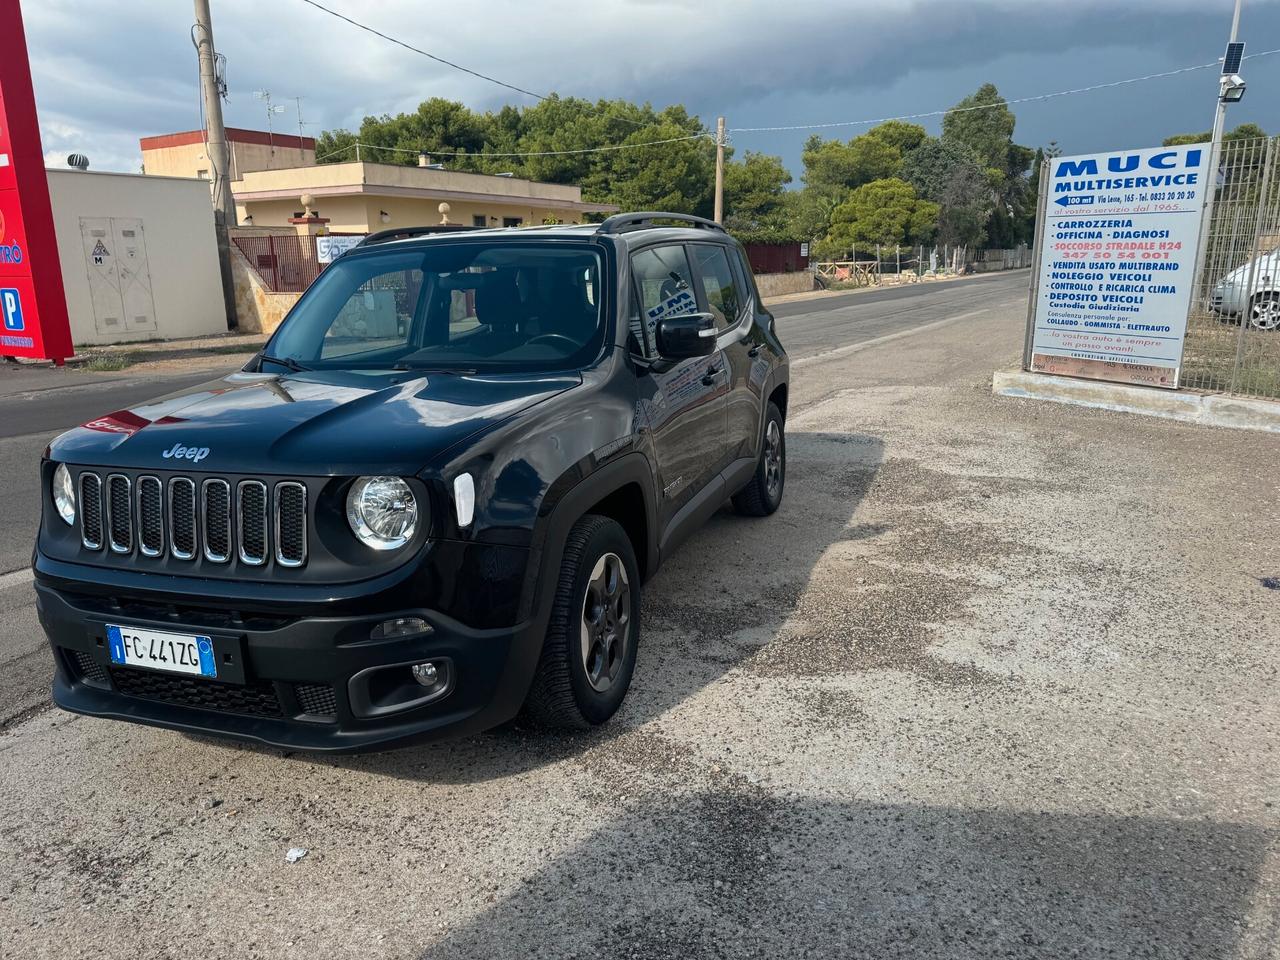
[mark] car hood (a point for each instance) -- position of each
(314, 423)
(1266, 268)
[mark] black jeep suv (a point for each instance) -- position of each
(429, 502)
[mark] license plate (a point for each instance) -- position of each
(157, 650)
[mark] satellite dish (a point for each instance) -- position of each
(78, 160)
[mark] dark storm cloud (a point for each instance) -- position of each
(104, 76)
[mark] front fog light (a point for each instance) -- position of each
(382, 512)
(64, 495)
(426, 674)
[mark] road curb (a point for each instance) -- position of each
(1238, 413)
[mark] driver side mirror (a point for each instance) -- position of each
(687, 335)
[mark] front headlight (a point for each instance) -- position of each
(382, 511)
(64, 494)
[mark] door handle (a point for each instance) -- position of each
(754, 352)
(709, 378)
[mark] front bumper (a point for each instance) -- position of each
(315, 683)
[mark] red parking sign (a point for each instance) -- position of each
(33, 307)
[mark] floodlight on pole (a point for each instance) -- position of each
(1233, 87)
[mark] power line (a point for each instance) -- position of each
(990, 106)
(530, 153)
(429, 56)
(449, 63)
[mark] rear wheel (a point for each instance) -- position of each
(589, 653)
(1264, 311)
(763, 494)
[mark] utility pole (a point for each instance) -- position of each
(1215, 151)
(215, 132)
(719, 169)
(215, 136)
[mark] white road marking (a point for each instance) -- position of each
(876, 341)
(16, 579)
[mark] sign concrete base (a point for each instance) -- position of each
(1204, 408)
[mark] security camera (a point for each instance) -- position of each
(1232, 88)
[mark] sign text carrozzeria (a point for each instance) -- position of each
(1117, 257)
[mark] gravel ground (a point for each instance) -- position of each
(998, 680)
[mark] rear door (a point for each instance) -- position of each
(728, 299)
(685, 405)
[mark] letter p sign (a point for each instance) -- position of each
(11, 308)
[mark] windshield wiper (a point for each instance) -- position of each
(427, 368)
(287, 362)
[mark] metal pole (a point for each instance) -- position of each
(1033, 288)
(1211, 187)
(1255, 253)
(215, 132)
(719, 170)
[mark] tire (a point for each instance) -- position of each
(763, 494)
(1264, 312)
(578, 684)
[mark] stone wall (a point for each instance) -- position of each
(777, 284)
(258, 309)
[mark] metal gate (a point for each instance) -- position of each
(1233, 331)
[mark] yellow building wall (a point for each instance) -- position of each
(359, 214)
(190, 159)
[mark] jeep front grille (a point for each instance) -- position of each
(253, 521)
(291, 524)
(182, 518)
(216, 504)
(150, 516)
(119, 513)
(91, 511)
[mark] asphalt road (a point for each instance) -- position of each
(999, 679)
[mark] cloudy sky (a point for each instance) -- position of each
(106, 74)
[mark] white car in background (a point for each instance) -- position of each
(1233, 296)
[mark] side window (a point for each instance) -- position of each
(718, 283)
(377, 316)
(664, 287)
(746, 280)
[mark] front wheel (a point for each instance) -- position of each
(763, 494)
(1264, 311)
(589, 653)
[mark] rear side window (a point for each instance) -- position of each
(723, 299)
(664, 288)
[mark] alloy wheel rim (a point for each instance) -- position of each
(1266, 314)
(606, 622)
(773, 459)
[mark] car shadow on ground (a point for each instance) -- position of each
(717, 602)
(733, 872)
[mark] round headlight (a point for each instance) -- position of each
(64, 494)
(382, 512)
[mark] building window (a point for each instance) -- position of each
(478, 220)
(512, 221)
(202, 174)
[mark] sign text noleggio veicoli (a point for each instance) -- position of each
(1117, 247)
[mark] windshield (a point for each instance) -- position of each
(459, 306)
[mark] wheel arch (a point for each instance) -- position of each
(621, 489)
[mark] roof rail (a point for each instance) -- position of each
(624, 222)
(402, 233)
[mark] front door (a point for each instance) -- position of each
(684, 405)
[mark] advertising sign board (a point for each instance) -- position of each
(1117, 253)
(329, 248)
(33, 308)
